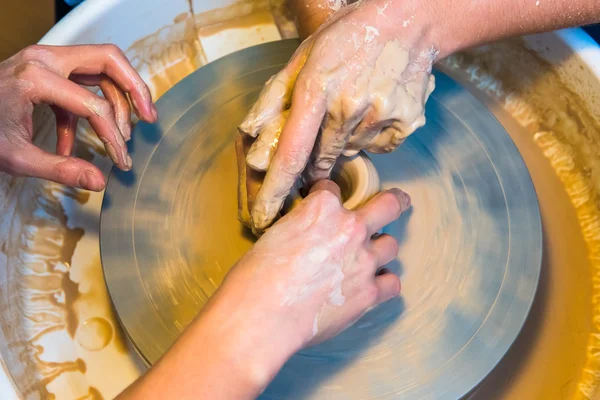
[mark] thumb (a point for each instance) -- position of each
(388, 286)
(71, 171)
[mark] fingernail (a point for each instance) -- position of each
(90, 181)
(404, 198)
(128, 162)
(154, 112)
(407, 201)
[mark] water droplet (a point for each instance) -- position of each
(94, 334)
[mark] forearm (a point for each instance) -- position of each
(454, 25)
(197, 367)
(221, 355)
(310, 14)
(460, 24)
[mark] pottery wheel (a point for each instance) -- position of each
(470, 247)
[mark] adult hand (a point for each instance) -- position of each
(53, 75)
(314, 272)
(310, 276)
(360, 82)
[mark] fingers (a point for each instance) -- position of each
(269, 113)
(385, 247)
(368, 128)
(327, 149)
(249, 182)
(66, 129)
(111, 61)
(294, 147)
(33, 161)
(329, 186)
(262, 150)
(383, 209)
(388, 287)
(275, 97)
(272, 102)
(53, 89)
(114, 95)
(387, 140)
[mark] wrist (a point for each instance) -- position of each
(438, 24)
(246, 336)
(309, 15)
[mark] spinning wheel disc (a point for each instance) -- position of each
(470, 254)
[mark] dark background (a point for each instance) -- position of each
(594, 31)
(62, 9)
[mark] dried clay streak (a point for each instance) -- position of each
(40, 256)
(175, 51)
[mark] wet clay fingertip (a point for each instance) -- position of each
(249, 126)
(403, 198)
(407, 201)
(244, 129)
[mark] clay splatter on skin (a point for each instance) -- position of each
(315, 325)
(318, 281)
(389, 89)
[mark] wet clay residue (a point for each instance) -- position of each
(175, 51)
(169, 55)
(40, 257)
(93, 394)
(284, 19)
(562, 127)
(254, 19)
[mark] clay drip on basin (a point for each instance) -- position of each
(558, 135)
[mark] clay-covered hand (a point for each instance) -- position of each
(52, 75)
(310, 276)
(360, 82)
(313, 273)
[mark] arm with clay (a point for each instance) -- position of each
(361, 79)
